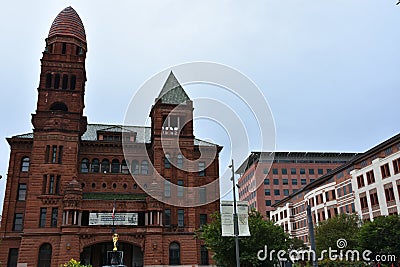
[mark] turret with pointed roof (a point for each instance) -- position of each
(172, 113)
(172, 92)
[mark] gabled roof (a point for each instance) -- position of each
(143, 133)
(27, 136)
(172, 92)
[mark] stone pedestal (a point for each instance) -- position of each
(115, 259)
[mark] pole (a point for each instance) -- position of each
(113, 216)
(312, 237)
(235, 217)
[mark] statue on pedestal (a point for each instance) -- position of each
(115, 240)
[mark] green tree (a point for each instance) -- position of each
(342, 227)
(339, 233)
(263, 233)
(381, 236)
(74, 263)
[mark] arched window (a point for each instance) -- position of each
(64, 48)
(179, 161)
(124, 167)
(85, 166)
(72, 84)
(95, 165)
(44, 259)
(144, 168)
(105, 166)
(57, 81)
(167, 162)
(65, 82)
(115, 166)
(135, 167)
(59, 106)
(174, 254)
(48, 80)
(25, 164)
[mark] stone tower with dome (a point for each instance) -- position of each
(69, 183)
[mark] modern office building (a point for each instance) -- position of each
(368, 185)
(266, 178)
(70, 183)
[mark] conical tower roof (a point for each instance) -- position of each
(172, 92)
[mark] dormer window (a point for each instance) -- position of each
(109, 136)
(130, 137)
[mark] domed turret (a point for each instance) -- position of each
(63, 76)
(68, 23)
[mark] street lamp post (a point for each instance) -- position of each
(235, 217)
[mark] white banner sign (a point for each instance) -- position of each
(243, 218)
(227, 218)
(227, 223)
(97, 218)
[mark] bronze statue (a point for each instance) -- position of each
(115, 240)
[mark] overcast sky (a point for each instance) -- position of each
(328, 69)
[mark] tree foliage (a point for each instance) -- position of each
(381, 236)
(262, 233)
(74, 263)
(343, 226)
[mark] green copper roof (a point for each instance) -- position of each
(172, 92)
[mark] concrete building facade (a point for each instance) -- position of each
(368, 185)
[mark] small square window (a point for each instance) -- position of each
(276, 182)
(202, 168)
(303, 181)
(274, 171)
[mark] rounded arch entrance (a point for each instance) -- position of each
(96, 254)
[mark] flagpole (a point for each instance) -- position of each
(113, 217)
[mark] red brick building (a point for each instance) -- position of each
(66, 179)
(267, 178)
